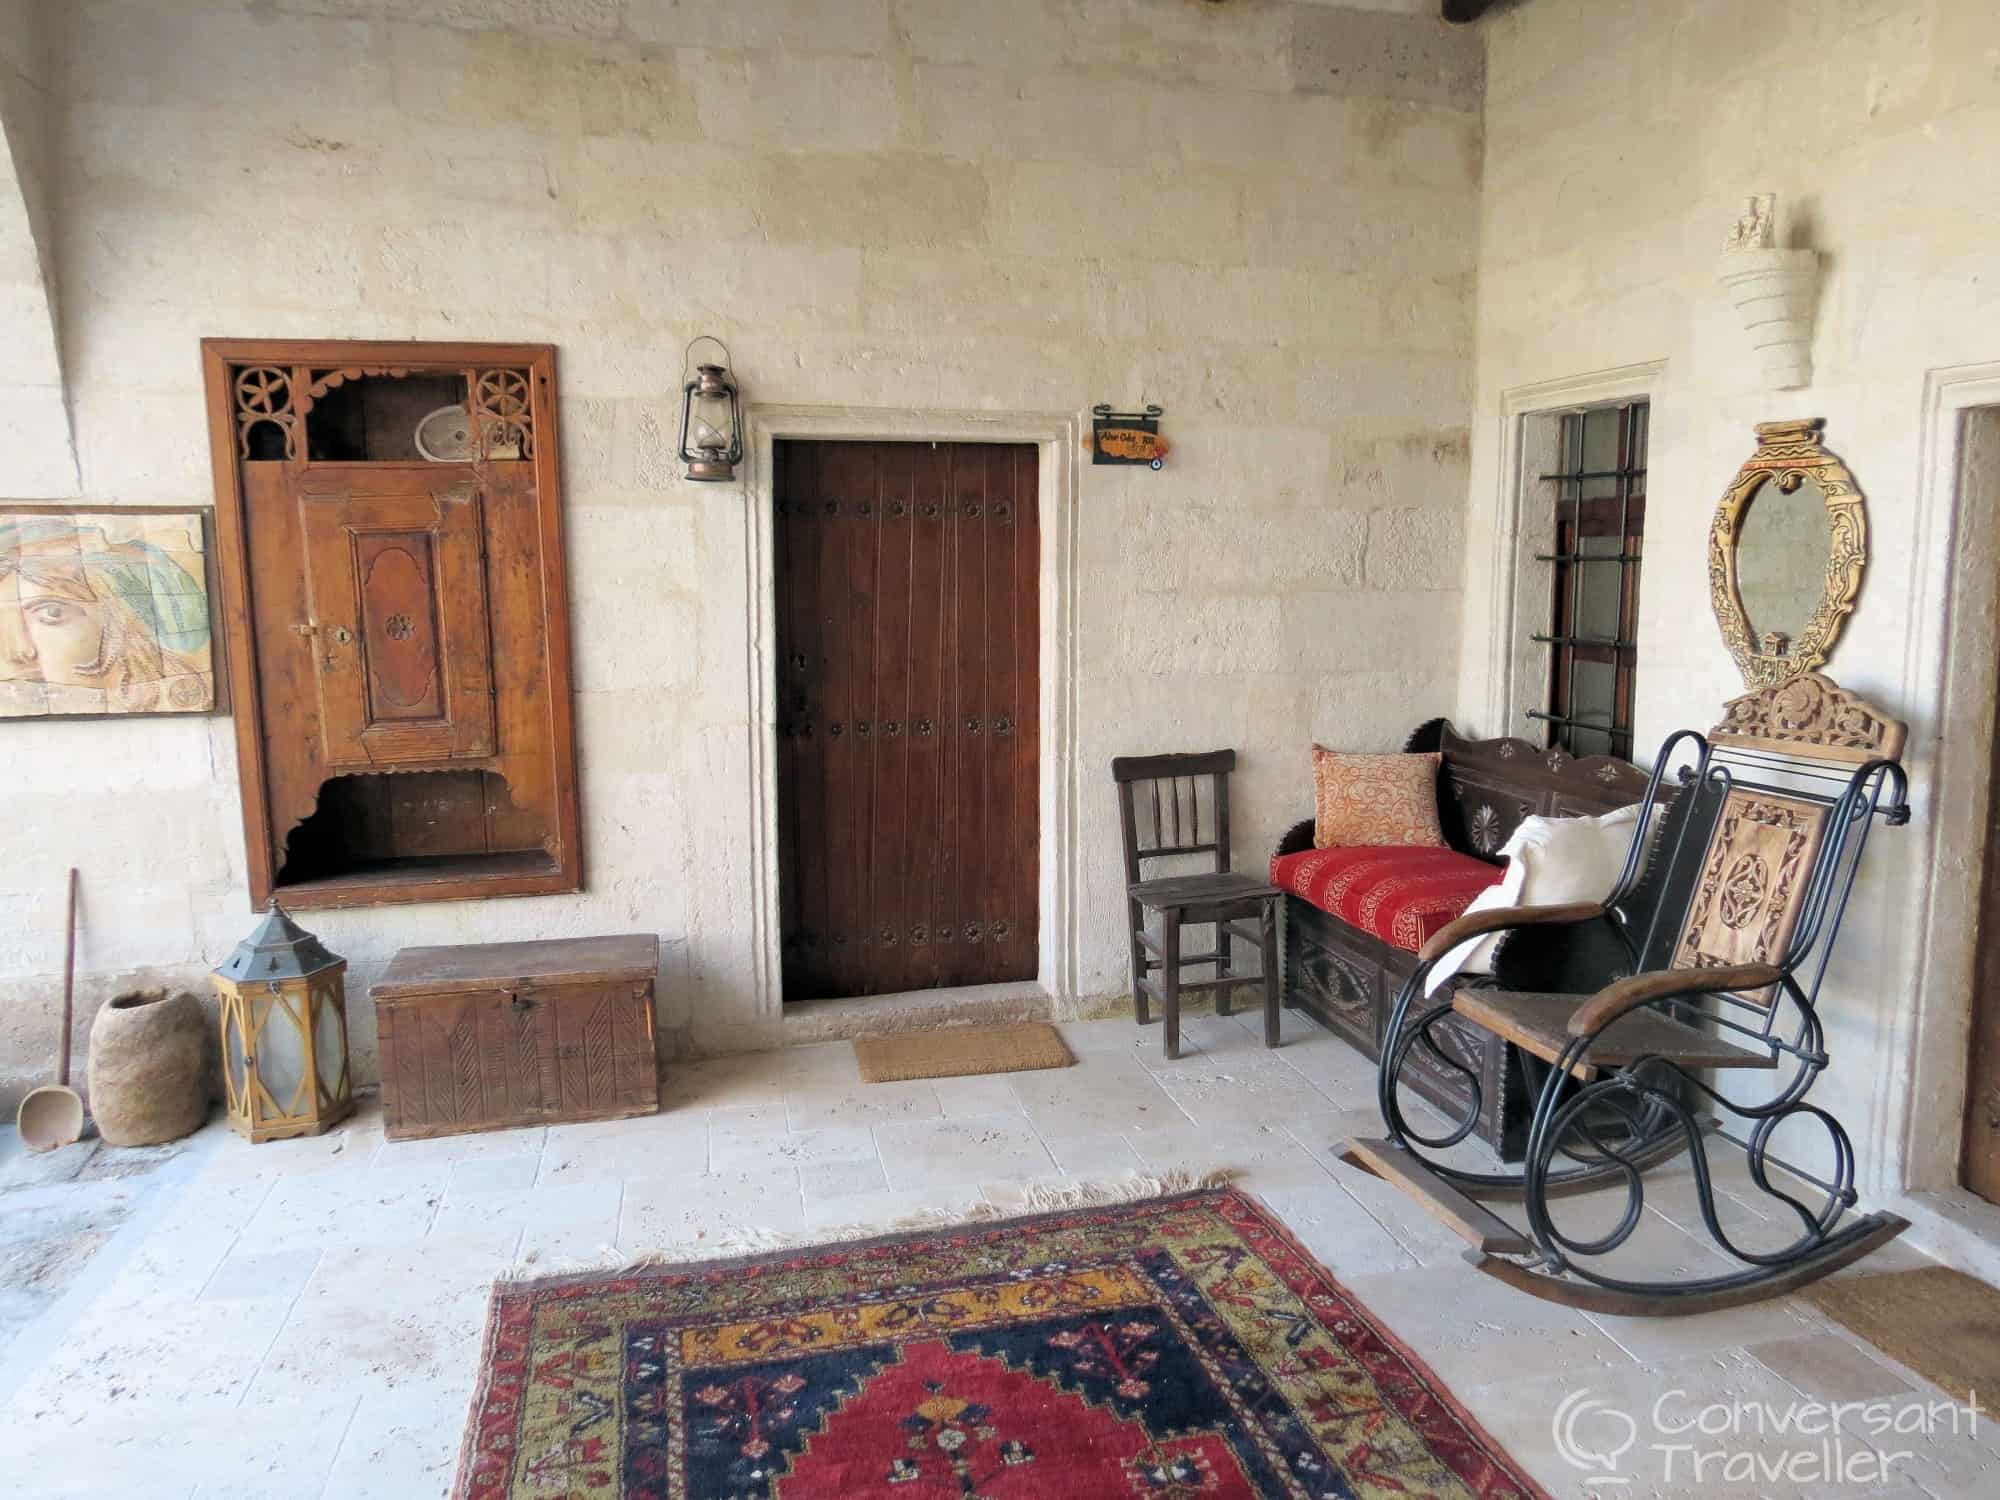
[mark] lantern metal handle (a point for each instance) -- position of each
(687, 354)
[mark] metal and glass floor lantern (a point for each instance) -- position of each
(284, 1032)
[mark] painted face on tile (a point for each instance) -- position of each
(52, 628)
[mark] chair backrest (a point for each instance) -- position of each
(1164, 811)
(1758, 836)
(1748, 843)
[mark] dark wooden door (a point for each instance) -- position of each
(908, 627)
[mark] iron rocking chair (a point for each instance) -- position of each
(1707, 957)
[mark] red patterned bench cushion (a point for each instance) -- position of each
(1397, 893)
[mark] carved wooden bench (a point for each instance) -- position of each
(1347, 978)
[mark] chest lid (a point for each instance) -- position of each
(620, 958)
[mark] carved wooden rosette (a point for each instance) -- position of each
(1788, 454)
(264, 397)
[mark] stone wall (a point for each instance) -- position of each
(1261, 215)
(34, 427)
(1621, 139)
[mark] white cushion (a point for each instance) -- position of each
(1550, 861)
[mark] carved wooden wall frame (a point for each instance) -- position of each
(1788, 454)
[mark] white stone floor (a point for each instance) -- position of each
(302, 1319)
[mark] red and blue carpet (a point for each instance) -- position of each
(1179, 1347)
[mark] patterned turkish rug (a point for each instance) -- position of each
(1160, 1350)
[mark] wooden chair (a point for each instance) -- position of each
(1163, 814)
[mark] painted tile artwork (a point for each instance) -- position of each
(103, 613)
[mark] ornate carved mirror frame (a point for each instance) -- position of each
(1788, 454)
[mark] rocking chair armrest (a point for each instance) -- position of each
(1501, 919)
(1615, 999)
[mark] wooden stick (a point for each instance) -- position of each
(69, 979)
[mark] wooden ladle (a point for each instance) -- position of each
(52, 1115)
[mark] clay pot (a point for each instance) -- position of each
(146, 1083)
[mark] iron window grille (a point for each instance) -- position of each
(1598, 533)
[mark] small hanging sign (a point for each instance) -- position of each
(1126, 437)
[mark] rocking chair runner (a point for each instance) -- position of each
(1707, 957)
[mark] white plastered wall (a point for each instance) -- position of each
(1262, 216)
(1621, 138)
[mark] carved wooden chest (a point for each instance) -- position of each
(489, 1035)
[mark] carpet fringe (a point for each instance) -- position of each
(1036, 1198)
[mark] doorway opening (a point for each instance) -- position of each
(907, 592)
(1979, 495)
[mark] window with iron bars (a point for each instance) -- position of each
(1597, 527)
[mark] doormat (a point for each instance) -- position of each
(1943, 1324)
(1180, 1346)
(956, 1051)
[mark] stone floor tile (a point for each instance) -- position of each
(981, 1094)
(749, 1078)
(494, 1174)
(389, 1318)
(584, 1211)
(349, 1146)
(1827, 1367)
(169, 1352)
(817, 1063)
(209, 1446)
(22, 1169)
(452, 1150)
(1106, 1093)
(797, 1148)
(719, 1213)
(401, 1446)
(747, 1119)
(1092, 1157)
(1240, 1086)
(269, 1273)
(896, 1209)
(1258, 1157)
(675, 1146)
(937, 1153)
(820, 1104)
(389, 1206)
(1468, 1327)
(1337, 1231)
(843, 1178)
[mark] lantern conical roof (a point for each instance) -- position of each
(279, 949)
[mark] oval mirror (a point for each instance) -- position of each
(1781, 549)
(1786, 554)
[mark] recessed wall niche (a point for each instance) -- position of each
(388, 524)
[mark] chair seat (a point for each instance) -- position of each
(1538, 1022)
(1398, 893)
(1215, 889)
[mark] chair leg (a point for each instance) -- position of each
(1224, 950)
(1267, 922)
(1170, 977)
(1136, 920)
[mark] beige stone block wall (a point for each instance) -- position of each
(34, 427)
(1621, 138)
(900, 203)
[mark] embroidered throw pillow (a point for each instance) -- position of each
(1374, 799)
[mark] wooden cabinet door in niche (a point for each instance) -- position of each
(402, 651)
